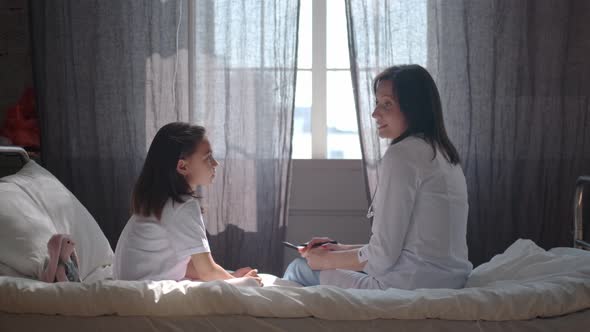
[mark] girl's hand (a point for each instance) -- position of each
(241, 272)
(255, 278)
(252, 273)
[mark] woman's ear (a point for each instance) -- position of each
(181, 167)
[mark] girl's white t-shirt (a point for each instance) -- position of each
(151, 249)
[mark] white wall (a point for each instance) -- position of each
(328, 198)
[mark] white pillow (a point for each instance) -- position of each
(25, 232)
(7, 271)
(62, 213)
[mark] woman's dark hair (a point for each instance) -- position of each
(159, 179)
(420, 104)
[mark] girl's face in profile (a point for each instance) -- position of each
(391, 122)
(199, 168)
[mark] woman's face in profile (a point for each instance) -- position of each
(391, 122)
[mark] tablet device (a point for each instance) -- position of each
(303, 245)
(293, 246)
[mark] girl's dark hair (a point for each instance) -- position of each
(159, 179)
(420, 104)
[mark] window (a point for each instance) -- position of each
(325, 121)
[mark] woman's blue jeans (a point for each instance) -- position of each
(301, 273)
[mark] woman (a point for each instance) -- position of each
(420, 206)
(165, 239)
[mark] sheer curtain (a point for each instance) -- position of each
(243, 87)
(108, 74)
(381, 34)
(514, 79)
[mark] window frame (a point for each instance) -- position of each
(319, 74)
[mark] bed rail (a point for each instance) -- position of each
(12, 159)
(579, 241)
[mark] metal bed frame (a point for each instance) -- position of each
(579, 241)
(12, 159)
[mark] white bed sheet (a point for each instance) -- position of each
(523, 283)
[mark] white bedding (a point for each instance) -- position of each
(523, 283)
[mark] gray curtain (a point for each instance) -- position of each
(514, 78)
(102, 73)
(243, 92)
(108, 74)
(515, 82)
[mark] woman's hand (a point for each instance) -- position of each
(317, 258)
(333, 256)
(335, 246)
(313, 242)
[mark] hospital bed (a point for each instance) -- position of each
(579, 239)
(524, 289)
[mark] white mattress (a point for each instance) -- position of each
(43, 323)
(523, 283)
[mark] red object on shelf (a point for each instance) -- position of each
(21, 123)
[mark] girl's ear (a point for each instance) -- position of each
(181, 167)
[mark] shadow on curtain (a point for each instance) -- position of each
(110, 73)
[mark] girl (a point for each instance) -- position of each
(420, 206)
(165, 238)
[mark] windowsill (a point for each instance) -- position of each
(328, 163)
